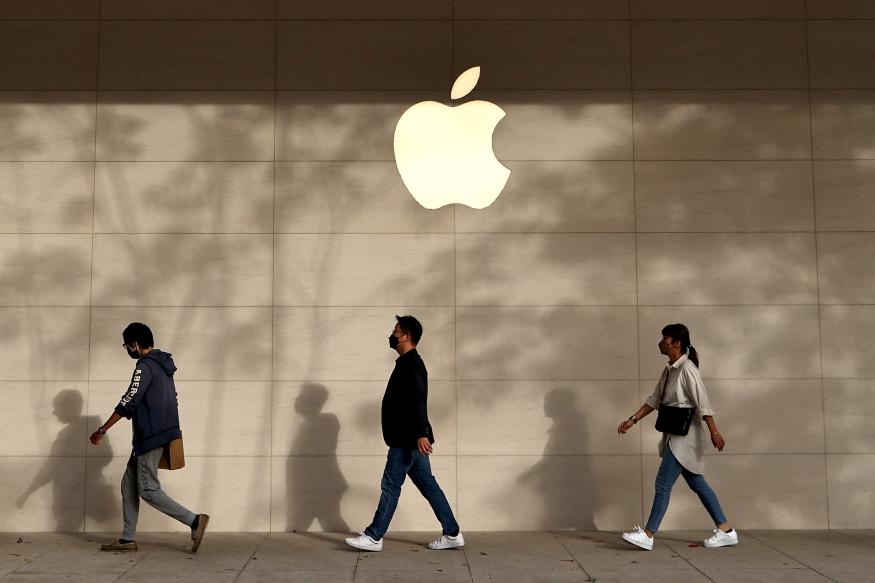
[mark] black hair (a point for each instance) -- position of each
(681, 333)
(411, 326)
(139, 333)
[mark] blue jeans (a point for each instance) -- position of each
(409, 462)
(668, 473)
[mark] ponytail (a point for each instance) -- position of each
(681, 333)
(693, 356)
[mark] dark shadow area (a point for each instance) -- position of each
(318, 432)
(68, 406)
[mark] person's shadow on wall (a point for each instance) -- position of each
(68, 407)
(562, 481)
(315, 483)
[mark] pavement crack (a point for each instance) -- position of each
(564, 546)
(788, 555)
(249, 560)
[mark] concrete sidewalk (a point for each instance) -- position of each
(502, 557)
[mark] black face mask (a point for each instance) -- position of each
(393, 342)
(133, 354)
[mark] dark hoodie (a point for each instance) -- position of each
(150, 402)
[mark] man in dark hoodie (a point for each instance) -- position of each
(150, 404)
(408, 434)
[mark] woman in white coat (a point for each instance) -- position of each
(681, 387)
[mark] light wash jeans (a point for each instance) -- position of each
(141, 481)
(409, 462)
(668, 473)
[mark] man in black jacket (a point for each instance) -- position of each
(408, 434)
(150, 404)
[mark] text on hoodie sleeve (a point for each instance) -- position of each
(139, 385)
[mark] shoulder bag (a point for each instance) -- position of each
(674, 420)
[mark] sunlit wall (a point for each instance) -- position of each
(223, 171)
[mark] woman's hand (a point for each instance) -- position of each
(716, 438)
(625, 426)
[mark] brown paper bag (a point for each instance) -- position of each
(173, 457)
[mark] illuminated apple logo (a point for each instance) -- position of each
(444, 154)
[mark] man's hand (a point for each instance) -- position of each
(96, 437)
(625, 426)
(718, 441)
(423, 445)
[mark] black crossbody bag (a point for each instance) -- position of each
(674, 420)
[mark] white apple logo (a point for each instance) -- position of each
(444, 154)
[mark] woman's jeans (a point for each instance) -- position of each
(409, 462)
(668, 473)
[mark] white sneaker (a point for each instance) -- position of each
(639, 538)
(722, 539)
(448, 542)
(363, 542)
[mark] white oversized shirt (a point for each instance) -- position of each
(689, 449)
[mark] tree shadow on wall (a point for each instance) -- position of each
(498, 356)
(546, 235)
(206, 235)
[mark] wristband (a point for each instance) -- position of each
(101, 430)
(633, 420)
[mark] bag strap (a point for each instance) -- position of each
(667, 372)
(680, 394)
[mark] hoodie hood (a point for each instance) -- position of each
(162, 358)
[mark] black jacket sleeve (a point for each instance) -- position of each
(419, 386)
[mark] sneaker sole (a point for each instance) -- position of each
(729, 544)
(358, 548)
(446, 548)
(636, 544)
(119, 550)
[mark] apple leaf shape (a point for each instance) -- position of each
(465, 83)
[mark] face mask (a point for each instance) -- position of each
(393, 342)
(133, 354)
